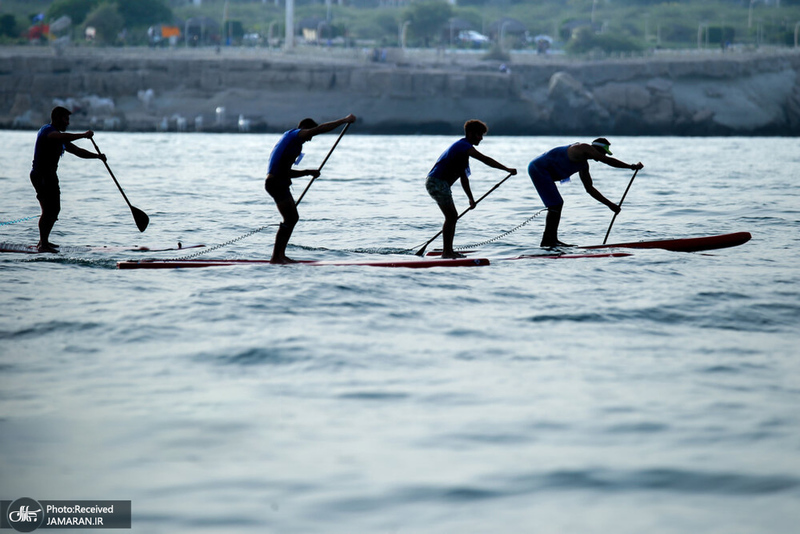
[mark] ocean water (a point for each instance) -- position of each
(652, 393)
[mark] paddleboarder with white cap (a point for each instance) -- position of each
(557, 165)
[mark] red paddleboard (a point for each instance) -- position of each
(689, 244)
(408, 263)
(400, 262)
(568, 256)
(67, 249)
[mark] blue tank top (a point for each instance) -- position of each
(453, 162)
(558, 165)
(285, 154)
(47, 152)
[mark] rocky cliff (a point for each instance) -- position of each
(714, 94)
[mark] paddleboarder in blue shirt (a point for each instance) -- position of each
(286, 153)
(453, 165)
(557, 165)
(51, 143)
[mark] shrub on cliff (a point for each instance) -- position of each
(107, 22)
(428, 18)
(142, 13)
(135, 13)
(8, 26)
(584, 40)
(77, 10)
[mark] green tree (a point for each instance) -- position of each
(77, 10)
(585, 40)
(107, 21)
(8, 26)
(428, 18)
(138, 13)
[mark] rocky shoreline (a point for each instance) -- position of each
(753, 93)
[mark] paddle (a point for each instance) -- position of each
(141, 218)
(346, 126)
(620, 205)
(421, 251)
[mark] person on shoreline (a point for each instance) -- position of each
(51, 143)
(287, 152)
(452, 165)
(557, 165)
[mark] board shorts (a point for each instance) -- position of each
(544, 185)
(439, 190)
(278, 189)
(48, 193)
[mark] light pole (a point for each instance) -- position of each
(451, 33)
(269, 33)
(402, 36)
(319, 31)
(503, 32)
(702, 26)
(796, 29)
(289, 24)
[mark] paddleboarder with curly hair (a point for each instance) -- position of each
(557, 165)
(453, 165)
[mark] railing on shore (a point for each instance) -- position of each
(388, 56)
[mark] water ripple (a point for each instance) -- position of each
(49, 327)
(604, 480)
(258, 356)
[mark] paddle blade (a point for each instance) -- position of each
(421, 251)
(141, 218)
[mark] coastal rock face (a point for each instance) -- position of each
(723, 94)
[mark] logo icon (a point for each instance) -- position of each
(25, 515)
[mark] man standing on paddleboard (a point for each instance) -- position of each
(557, 165)
(51, 142)
(452, 165)
(288, 152)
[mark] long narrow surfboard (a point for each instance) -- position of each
(689, 244)
(567, 256)
(408, 263)
(402, 262)
(68, 249)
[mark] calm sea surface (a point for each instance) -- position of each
(654, 393)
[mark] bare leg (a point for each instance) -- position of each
(46, 222)
(449, 231)
(288, 210)
(550, 237)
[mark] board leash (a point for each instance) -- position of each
(225, 244)
(262, 228)
(504, 234)
(18, 220)
(492, 240)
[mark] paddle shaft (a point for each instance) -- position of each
(139, 216)
(112, 174)
(346, 126)
(421, 251)
(620, 204)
